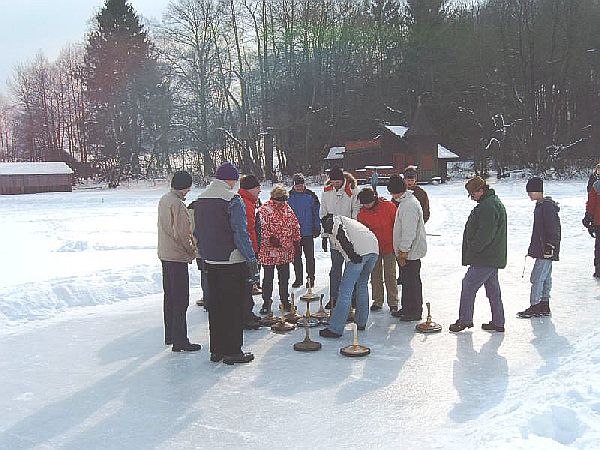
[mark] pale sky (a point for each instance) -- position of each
(28, 26)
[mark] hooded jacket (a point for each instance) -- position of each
(409, 228)
(352, 239)
(341, 202)
(279, 231)
(593, 206)
(306, 206)
(546, 229)
(484, 238)
(221, 229)
(175, 242)
(380, 220)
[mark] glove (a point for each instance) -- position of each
(548, 251)
(587, 220)
(274, 242)
(402, 258)
(324, 244)
(593, 231)
(316, 233)
(253, 272)
(356, 259)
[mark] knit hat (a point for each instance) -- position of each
(279, 192)
(366, 196)
(474, 184)
(181, 180)
(336, 174)
(227, 171)
(535, 184)
(396, 185)
(249, 182)
(298, 179)
(410, 172)
(596, 187)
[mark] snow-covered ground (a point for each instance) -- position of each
(83, 365)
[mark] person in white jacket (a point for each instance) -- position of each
(340, 198)
(410, 246)
(359, 248)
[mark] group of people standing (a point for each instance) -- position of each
(232, 235)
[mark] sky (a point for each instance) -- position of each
(30, 26)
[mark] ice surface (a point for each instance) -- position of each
(83, 365)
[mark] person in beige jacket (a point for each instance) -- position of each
(176, 249)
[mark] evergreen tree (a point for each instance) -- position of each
(122, 81)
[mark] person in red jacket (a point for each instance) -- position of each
(592, 222)
(378, 215)
(279, 239)
(249, 191)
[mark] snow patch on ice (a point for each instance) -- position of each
(558, 423)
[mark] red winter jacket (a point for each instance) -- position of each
(250, 204)
(593, 206)
(277, 223)
(380, 220)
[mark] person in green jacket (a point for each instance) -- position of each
(484, 251)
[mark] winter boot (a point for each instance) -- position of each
(397, 313)
(186, 347)
(241, 358)
(491, 327)
(266, 307)
(545, 308)
(375, 307)
(458, 326)
(330, 304)
(285, 305)
(532, 311)
(297, 284)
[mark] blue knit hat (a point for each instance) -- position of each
(227, 171)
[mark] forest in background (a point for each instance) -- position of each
(511, 83)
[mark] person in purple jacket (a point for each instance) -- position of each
(305, 205)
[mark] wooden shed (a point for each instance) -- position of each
(33, 177)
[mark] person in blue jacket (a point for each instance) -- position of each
(305, 205)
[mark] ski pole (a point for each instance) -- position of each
(524, 263)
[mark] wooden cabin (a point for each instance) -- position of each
(398, 146)
(34, 177)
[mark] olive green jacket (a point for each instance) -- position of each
(484, 238)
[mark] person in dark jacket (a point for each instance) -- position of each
(230, 262)
(484, 251)
(591, 221)
(410, 177)
(595, 176)
(544, 248)
(306, 206)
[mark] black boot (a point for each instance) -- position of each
(545, 308)
(240, 358)
(266, 307)
(187, 347)
(491, 327)
(330, 304)
(297, 284)
(458, 326)
(532, 311)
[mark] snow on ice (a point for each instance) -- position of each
(83, 363)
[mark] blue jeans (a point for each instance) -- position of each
(354, 274)
(335, 273)
(473, 280)
(541, 281)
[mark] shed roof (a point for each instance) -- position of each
(34, 168)
(336, 153)
(444, 153)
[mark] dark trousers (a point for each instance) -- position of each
(597, 250)
(248, 310)
(412, 288)
(226, 283)
(176, 289)
(307, 246)
(283, 274)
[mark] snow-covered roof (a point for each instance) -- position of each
(336, 153)
(398, 130)
(444, 153)
(34, 168)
